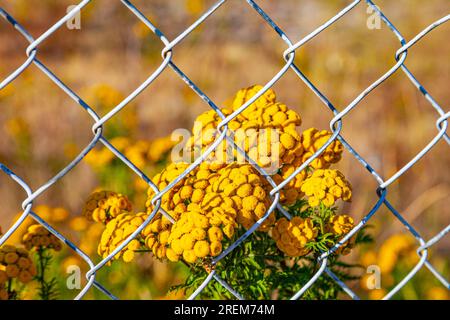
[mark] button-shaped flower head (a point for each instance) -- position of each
(38, 237)
(292, 236)
(102, 206)
(326, 186)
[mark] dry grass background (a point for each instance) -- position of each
(233, 49)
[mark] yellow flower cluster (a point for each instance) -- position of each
(175, 200)
(222, 195)
(102, 206)
(16, 263)
(266, 113)
(292, 236)
(156, 235)
(38, 237)
(326, 186)
(244, 196)
(313, 140)
(237, 192)
(393, 248)
(292, 191)
(141, 152)
(159, 148)
(259, 121)
(196, 236)
(398, 247)
(340, 225)
(119, 229)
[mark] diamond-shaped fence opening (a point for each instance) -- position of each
(336, 122)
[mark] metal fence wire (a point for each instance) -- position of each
(336, 125)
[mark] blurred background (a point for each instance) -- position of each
(42, 129)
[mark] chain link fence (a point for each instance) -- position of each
(336, 125)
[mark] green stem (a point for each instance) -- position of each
(12, 294)
(41, 276)
(9, 285)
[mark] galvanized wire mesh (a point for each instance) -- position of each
(336, 125)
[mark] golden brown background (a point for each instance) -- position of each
(234, 48)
